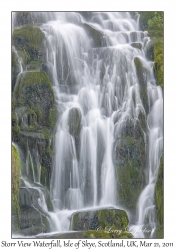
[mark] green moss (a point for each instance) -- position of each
(130, 164)
(142, 78)
(53, 116)
(159, 200)
(45, 178)
(95, 34)
(48, 150)
(158, 62)
(36, 78)
(32, 35)
(34, 66)
(102, 234)
(138, 63)
(137, 45)
(15, 129)
(34, 91)
(13, 105)
(113, 219)
(46, 225)
(14, 60)
(15, 186)
(28, 40)
(152, 21)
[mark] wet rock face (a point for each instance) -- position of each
(99, 220)
(32, 222)
(74, 122)
(129, 152)
(142, 78)
(96, 34)
(28, 41)
(32, 197)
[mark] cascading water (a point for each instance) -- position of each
(90, 61)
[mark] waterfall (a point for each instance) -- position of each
(91, 62)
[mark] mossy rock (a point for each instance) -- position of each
(136, 45)
(142, 78)
(35, 92)
(94, 34)
(28, 41)
(159, 194)
(158, 62)
(105, 234)
(45, 177)
(99, 219)
(130, 171)
(129, 151)
(16, 168)
(27, 35)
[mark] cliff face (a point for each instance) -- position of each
(34, 116)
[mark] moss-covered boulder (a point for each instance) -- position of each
(159, 201)
(16, 214)
(129, 152)
(99, 220)
(28, 40)
(142, 78)
(35, 92)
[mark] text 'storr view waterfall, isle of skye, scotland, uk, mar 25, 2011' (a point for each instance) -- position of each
(87, 125)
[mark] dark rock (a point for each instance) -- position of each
(137, 45)
(142, 78)
(130, 161)
(95, 35)
(33, 222)
(99, 219)
(30, 196)
(74, 122)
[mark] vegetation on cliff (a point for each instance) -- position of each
(159, 194)
(153, 22)
(15, 188)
